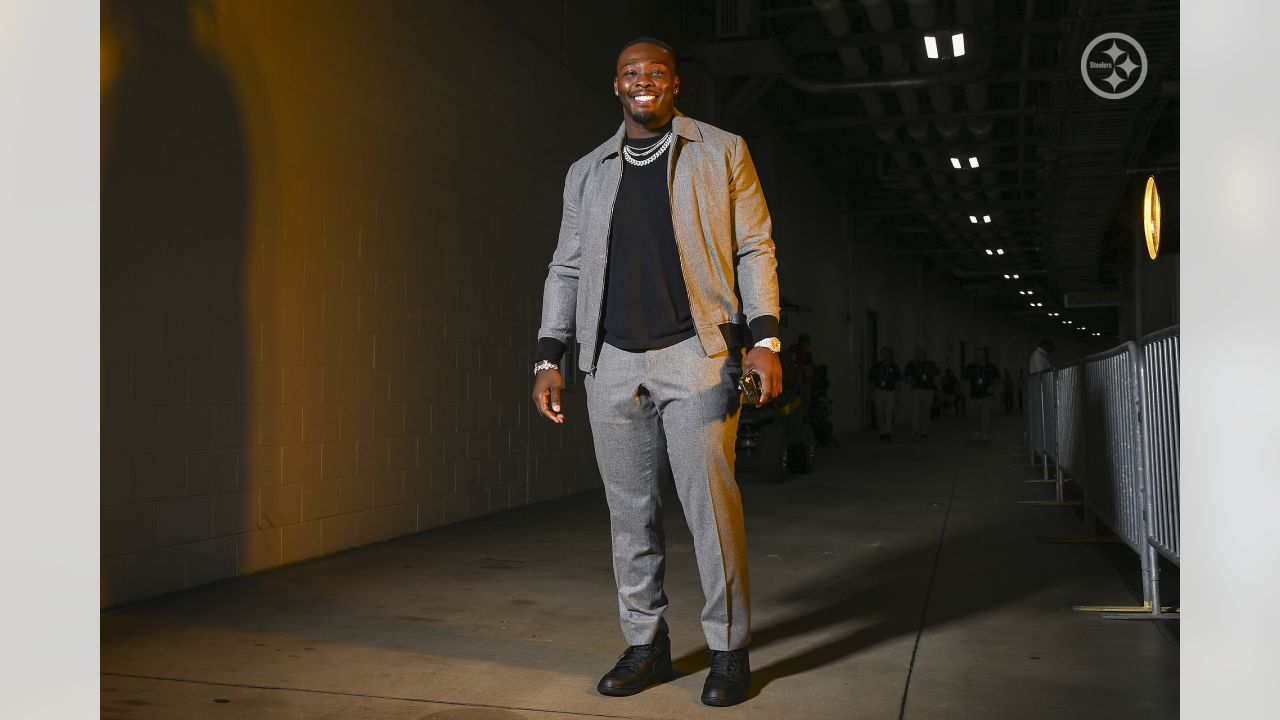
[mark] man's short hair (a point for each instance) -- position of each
(646, 40)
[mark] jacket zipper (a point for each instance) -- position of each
(595, 351)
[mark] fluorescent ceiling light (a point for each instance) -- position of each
(999, 251)
(973, 219)
(955, 163)
(989, 251)
(986, 218)
(957, 44)
(1015, 276)
(931, 46)
(973, 161)
(1006, 276)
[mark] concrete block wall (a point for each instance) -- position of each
(325, 228)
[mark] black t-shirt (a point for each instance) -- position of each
(646, 302)
(885, 375)
(981, 377)
(922, 375)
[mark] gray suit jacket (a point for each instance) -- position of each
(722, 228)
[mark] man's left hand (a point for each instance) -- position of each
(766, 364)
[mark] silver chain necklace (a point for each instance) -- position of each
(640, 158)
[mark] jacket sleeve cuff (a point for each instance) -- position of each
(765, 326)
(549, 349)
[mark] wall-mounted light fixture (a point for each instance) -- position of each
(1151, 217)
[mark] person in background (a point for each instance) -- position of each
(982, 376)
(802, 362)
(884, 382)
(1040, 356)
(953, 401)
(1006, 390)
(922, 374)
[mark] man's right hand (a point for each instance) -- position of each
(546, 394)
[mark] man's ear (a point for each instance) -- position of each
(615, 85)
(676, 85)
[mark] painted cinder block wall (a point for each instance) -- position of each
(325, 228)
(324, 234)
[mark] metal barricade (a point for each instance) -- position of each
(1112, 464)
(1034, 416)
(1160, 429)
(1070, 393)
(1042, 433)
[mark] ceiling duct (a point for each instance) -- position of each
(737, 18)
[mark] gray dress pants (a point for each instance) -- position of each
(680, 402)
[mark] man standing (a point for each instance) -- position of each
(1040, 356)
(923, 375)
(664, 228)
(884, 383)
(982, 376)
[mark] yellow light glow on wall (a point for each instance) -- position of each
(1151, 217)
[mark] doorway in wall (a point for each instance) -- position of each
(870, 355)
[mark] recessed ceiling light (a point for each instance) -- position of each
(986, 218)
(973, 161)
(1015, 276)
(957, 44)
(973, 219)
(989, 251)
(955, 163)
(1006, 276)
(1031, 292)
(999, 251)
(931, 46)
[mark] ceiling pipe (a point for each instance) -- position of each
(815, 86)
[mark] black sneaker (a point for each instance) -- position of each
(729, 681)
(639, 667)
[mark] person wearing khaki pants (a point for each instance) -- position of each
(922, 375)
(884, 382)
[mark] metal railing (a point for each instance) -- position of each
(1042, 432)
(1114, 432)
(1160, 426)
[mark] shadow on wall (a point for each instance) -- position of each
(175, 192)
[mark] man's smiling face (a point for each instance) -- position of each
(646, 84)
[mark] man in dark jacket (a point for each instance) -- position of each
(884, 386)
(982, 376)
(922, 374)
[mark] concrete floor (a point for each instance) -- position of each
(898, 580)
